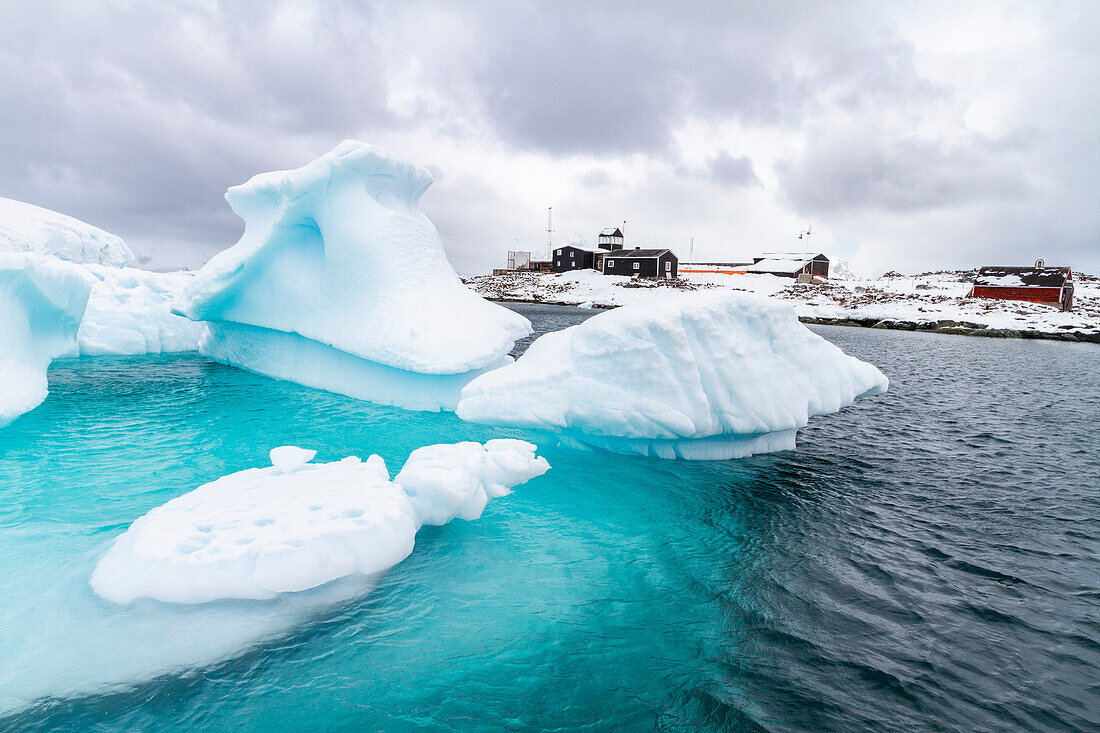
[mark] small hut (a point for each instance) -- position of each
(1038, 284)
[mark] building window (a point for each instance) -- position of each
(668, 267)
(558, 252)
(559, 263)
(637, 265)
(611, 263)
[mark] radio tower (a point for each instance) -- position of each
(549, 226)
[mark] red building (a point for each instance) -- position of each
(1036, 284)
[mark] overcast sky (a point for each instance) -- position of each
(910, 138)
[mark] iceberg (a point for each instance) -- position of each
(28, 228)
(340, 282)
(262, 532)
(130, 312)
(699, 376)
(42, 300)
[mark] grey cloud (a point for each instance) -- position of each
(594, 178)
(611, 77)
(861, 170)
(731, 172)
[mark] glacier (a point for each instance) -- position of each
(42, 300)
(293, 526)
(28, 228)
(711, 375)
(340, 282)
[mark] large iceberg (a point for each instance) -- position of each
(700, 375)
(28, 228)
(42, 300)
(130, 312)
(340, 282)
(293, 526)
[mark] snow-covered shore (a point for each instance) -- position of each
(928, 302)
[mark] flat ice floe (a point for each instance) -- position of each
(294, 526)
(340, 282)
(42, 300)
(289, 527)
(702, 375)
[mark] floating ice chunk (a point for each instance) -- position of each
(129, 312)
(337, 253)
(41, 302)
(459, 479)
(700, 375)
(28, 228)
(289, 458)
(261, 532)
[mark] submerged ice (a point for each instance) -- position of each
(42, 300)
(293, 526)
(340, 282)
(705, 375)
(67, 641)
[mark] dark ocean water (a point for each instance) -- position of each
(928, 559)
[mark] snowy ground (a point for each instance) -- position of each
(932, 301)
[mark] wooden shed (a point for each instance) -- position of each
(1038, 284)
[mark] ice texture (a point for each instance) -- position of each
(28, 228)
(129, 312)
(340, 281)
(42, 300)
(701, 375)
(261, 532)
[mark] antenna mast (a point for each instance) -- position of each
(549, 225)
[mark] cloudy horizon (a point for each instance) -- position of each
(909, 139)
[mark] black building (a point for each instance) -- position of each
(610, 239)
(568, 257)
(641, 262)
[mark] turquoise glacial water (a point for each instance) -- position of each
(928, 559)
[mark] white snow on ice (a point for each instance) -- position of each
(130, 312)
(42, 300)
(294, 526)
(703, 375)
(28, 228)
(336, 259)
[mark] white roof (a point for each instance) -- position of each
(776, 265)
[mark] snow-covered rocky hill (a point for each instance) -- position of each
(935, 301)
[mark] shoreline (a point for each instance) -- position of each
(946, 326)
